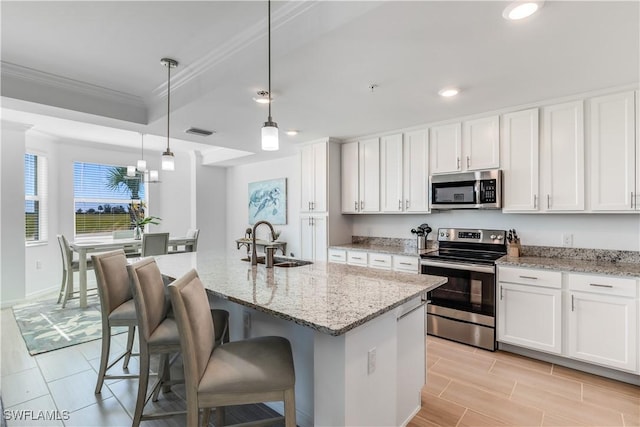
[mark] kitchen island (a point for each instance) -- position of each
(357, 334)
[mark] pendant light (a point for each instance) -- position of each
(141, 165)
(168, 161)
(270, 128)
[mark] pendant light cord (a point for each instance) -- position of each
(168, 101)
(269, 52)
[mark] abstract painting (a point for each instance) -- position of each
(268, 201)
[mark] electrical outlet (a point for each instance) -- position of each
(371, 361)
(38, 265)
(567, 240)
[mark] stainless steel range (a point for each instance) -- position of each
(464, 309)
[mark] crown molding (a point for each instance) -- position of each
(35, 76)
(284, 14)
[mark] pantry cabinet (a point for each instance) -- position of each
(404, 173)
(614, 151)
(471, 145)
(602, 320)
(313, 237)
(562, 157)
(361, 176)
(530, 308)
(313, 174)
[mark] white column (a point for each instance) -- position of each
(12, 246)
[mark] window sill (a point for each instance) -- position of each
(35, 244)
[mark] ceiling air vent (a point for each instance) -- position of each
(199, 132)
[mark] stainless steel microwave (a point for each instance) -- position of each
(466, 190)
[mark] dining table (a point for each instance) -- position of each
(103, 244)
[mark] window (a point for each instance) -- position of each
(35, 198)
(102, 196)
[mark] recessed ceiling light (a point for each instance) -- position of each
(292, 132)
(521, 9)
(262, 98)
(448, 92)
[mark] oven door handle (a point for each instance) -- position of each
(468, 267)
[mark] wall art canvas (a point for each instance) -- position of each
(268, 201)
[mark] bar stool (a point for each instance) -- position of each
(240, 372)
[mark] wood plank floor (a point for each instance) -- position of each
(473, 387)
(466, 387)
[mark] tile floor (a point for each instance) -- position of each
(465, 387)
(473, 387)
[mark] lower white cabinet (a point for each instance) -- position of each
(338, 256)
(313, 237)
(586, 317)
(602, 320)
(382, 261)
(357, 258)
(408, 264)
(530, 308)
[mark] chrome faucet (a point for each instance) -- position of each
(254, 253)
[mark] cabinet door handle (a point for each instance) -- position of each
(597, 285)
(548, 201)
(501, 292)
(529, 277)
(535, 201)
(313, 205)
(458, 162)
(468, 162)
(399, 205)
(406, 204)
(572, 304)
(361, 205)
(632, 200)
(355, 208)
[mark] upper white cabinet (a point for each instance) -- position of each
(519, 151)
(614, 151)
(361, 176)
(481, 143)
(404, 177)
(445, 148)
(472, 145)
(562, 157)
(313, 177)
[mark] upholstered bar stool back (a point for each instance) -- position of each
(116, 308)
(240, 372)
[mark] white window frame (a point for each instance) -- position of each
(41, 196)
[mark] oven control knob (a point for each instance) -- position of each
(500, 237)
(493, 237)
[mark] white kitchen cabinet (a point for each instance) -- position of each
(313, 177)
(408, 264)
(361, 176)
(445, 148)
(404, 173)
(416, 171)
(313, 237)
(603, 320)
(562, 158)
(613, 153)
(357, 258)
(381, 261)
(337, 255)
(471, 145)
(519, 158)
(391, 174)
(530, 308)
(481, 143)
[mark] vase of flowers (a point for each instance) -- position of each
(138, 218)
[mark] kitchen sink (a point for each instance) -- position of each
(282, 262)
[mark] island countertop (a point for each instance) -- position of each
(330, 298)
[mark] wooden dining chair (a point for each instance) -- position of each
(190, 247)
(117, 308)
(155, 244)
(240, 372)
(69, 266)
(130, 251)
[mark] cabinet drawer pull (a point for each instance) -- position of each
(355, 257)
(405, 263)
(335, 256)
(379, 260)
(529, 277)
(597, 285)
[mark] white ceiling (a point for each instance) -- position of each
(106, 55)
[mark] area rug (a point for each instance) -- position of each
(46, 326)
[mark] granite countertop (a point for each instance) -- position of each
(330, 298)
(573, 265)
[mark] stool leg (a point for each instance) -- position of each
(142, 387)
(290, 407)
(130, 336)
(69, 290)
(219, 416)
(206, 416)
(62, 285)
(104, 356)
